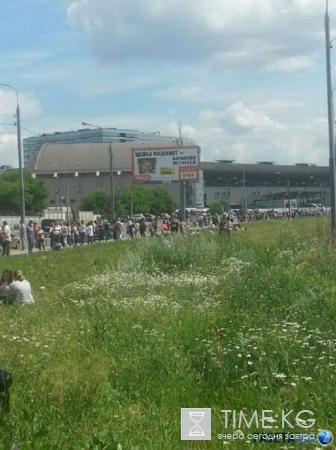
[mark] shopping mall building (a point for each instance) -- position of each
(72, 169)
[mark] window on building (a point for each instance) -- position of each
(52, 202)
(217, 194)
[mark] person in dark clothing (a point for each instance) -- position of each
(101, 232)
(174, 227)
(221, 226)
(6, 380)
(142, 228)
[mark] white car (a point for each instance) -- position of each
(137, 217)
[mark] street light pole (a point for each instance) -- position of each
(330, 124)
(19, 144)
(131, 189)
(288, 192)
(244, 191)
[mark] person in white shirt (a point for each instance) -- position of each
(65, 235)
(82, 232)
(20, 290)
(6, 238)
(89, 232)
(57, 232)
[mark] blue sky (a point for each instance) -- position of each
(246, 79)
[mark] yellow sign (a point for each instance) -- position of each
(167, 170)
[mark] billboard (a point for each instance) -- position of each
(165, 164)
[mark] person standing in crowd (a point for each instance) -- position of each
(57, 233)
(6, 238)
(40, 239)
(151, 228)
(118, 229)
(142, 228)
(30, 236)
(6, 279)
(51, 234)
(82, 232)
(221, 226)
(227, 227)
(23, 235)
(36, 230)
(89, 231)
(164, 228)
(20, 290)
(101, 231)
(75, 233)
(174, 227)
(64, 235)
(107, 231)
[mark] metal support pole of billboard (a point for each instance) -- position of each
(183, 200)
(331, 118)
(67, 196)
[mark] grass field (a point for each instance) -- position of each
(123, 335)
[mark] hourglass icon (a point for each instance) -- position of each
(196, 417)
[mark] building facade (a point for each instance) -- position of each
(71, 171)
(32, 145)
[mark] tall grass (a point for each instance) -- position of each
(123, 335)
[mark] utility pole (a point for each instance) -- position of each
(288, 195)
(182, 183)
(19, 143)
(331, 118)
(22, 196)
(111, 183)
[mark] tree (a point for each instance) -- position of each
(218, 207)
(146, 199)
(35, 191)
(98, 202)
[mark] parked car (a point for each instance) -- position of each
(137, 217)
(46, 224)
(149, 217)
(165, 216)
(124, 218)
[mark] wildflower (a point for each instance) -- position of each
(280, 376)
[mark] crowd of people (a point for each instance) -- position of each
(65, 234)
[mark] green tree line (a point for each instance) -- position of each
(35, 190)
(145, 199)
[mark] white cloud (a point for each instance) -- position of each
(234, 33)
(190, 91)
(8, 150)
(28, 104)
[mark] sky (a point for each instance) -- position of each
(246, 79)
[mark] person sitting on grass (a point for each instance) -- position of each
(6, 279)
(5, 382)
(20, 290)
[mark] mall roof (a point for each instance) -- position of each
(53, 158)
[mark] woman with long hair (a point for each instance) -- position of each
(20, 290)
(6, 279)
